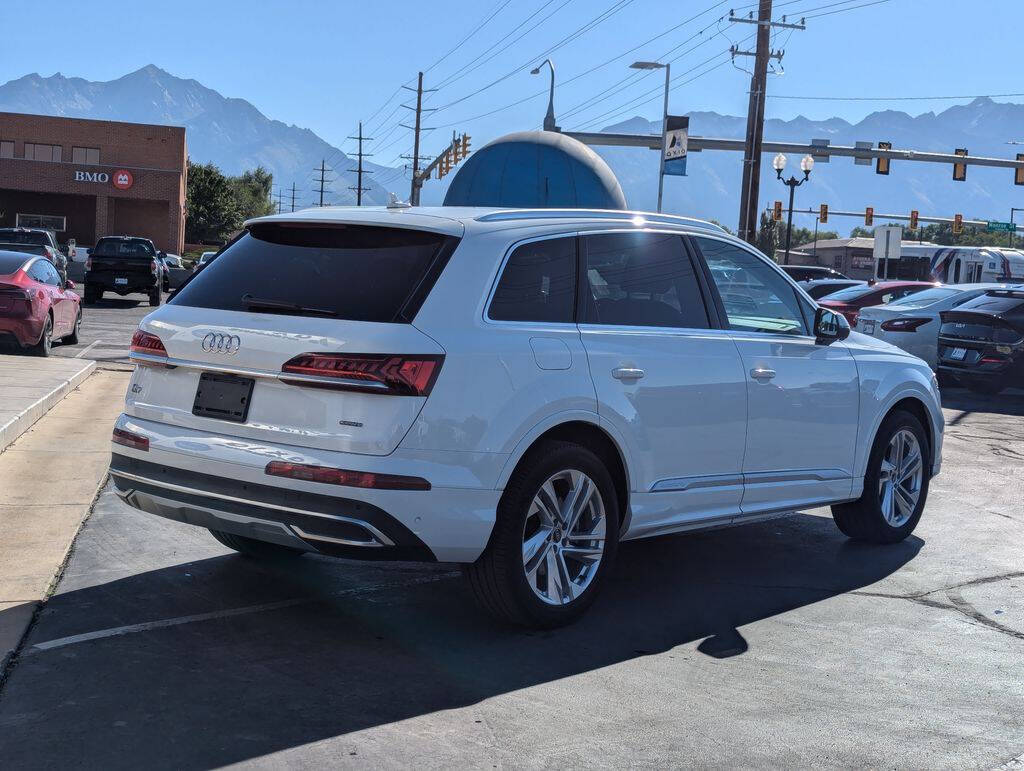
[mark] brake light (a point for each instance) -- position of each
(144, 342)
(337, 476)
(88, 264)
(152, 267)
(375, 373)
(130, 439)
(992, 360)
(903, 325)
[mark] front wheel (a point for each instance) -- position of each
(554, 539)
(250, 547)
(895, 485)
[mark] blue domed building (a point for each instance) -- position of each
(536, 169)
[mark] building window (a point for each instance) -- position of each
(54, 222)
(88, 155)
(36, 152)
(6, 149)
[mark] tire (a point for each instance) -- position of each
(154, 296)
(93, 294)
(42, 348)
(865, 519)
(499, 578)
(72, 339)
(250, 547)
(984, 387)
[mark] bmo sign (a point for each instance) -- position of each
(122, 179)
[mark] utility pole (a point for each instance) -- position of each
(414, 193)
(278, 200)
(293, 196)
(359, 167)
(323, 179)
(750, 187)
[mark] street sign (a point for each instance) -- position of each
(888, 240)
(999, 227)
(677, 128)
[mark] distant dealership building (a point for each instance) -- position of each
(85, 179)
(855, 257)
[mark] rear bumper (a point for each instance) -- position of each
(218, 482)
(135, 283)
(25, 331)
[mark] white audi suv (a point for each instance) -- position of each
(514, 390)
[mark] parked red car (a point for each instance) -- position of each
(849, 301)
(36, 306)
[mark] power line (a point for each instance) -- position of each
(476, 29)
(890, 98)
(842, 10)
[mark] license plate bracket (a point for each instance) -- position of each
(121, 281)
(958, 354)
(223, 396)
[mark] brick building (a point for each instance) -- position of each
(85, 179)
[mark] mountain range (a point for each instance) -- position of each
(233, 134)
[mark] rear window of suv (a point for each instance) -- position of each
(32, 237)
(123, 247)
(352, 272)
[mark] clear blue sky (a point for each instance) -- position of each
(324, 65)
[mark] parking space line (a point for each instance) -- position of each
(163, 623)
(88, 348)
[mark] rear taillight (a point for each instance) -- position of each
(366, 372)
(903, 325)
(152, 267)
(337, 476)
(144, 342)
(130, 439)
(88, 264)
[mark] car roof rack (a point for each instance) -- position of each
(599, 214)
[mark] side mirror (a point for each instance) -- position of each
(162, 255)
(89, 251)
(69, 284)
(830, 327)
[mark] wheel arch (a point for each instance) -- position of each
(586, 430)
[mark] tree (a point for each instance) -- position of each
(806, 236)
(252, 192)
(768, 235)
(212, 208)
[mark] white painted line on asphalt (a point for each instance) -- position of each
(86, 350)
(163, 623)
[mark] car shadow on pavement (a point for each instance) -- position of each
(1009, 402)
(116, 303)
(347, 646)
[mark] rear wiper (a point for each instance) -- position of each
(257, 304)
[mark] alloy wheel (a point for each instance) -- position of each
(564, 537)
(900, 477)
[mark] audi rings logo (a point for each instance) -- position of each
(214, 342)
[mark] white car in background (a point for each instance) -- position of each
(912, 322)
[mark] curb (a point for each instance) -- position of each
(24, 420)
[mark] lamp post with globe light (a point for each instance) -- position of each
(779, 163)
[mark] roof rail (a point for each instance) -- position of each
(598, 214)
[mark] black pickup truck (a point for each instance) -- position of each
(123, 264)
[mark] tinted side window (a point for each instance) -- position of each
(756, 297)
(642, 279)
(538, 283)
(50, 274)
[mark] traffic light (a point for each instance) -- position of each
(960, 169)
(456, 150)
(869, 216)
(882, 164)
(1018, 174)
(465, 145)
(913, 219)
(958, 224)
(823, 213)
(777, 211)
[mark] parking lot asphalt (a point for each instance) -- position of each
(107, 328)
(773, 644)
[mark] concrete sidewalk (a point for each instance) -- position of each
(48, 481)
(29, 386)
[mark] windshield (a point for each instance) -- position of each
(851, 293)
(925, 298)
(24, 237)
(123, 247)
(350, 272)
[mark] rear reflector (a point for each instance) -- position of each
(129, 439)
(337, 476)
(374, 373)
(144, 342)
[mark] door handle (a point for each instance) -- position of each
(627, 373)
(762, 373)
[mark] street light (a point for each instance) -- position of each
(549, 119)
(779, 163)
(664, 118)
